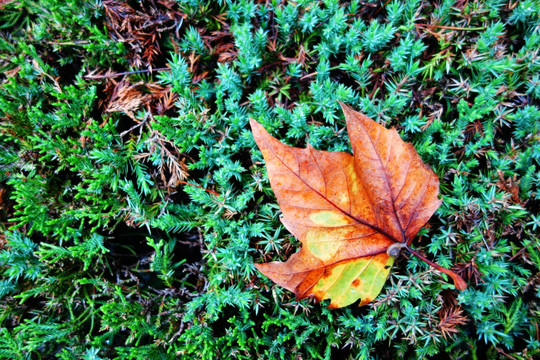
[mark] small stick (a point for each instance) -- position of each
(460, 28)
(199, 187)
(520, 251)
(453, 27)
(92, 77)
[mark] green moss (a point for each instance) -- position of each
(131, 232)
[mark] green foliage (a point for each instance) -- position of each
(18, 262)
(131, 234)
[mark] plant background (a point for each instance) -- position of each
(134, 202)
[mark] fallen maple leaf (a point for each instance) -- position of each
(353, 214)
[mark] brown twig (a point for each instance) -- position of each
(107, 76)
(521, 251)
(199, 187)
(453, 27)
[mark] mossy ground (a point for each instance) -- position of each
(134, 202)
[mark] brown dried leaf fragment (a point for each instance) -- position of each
(126, 98)
(451, 319)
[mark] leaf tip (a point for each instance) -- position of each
(262, 268)
(344, 107)
(254, 124)
(259, 132)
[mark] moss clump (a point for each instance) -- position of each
(133, 201)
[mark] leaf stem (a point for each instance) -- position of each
(459, 283)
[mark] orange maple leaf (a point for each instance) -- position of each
(352, 214)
